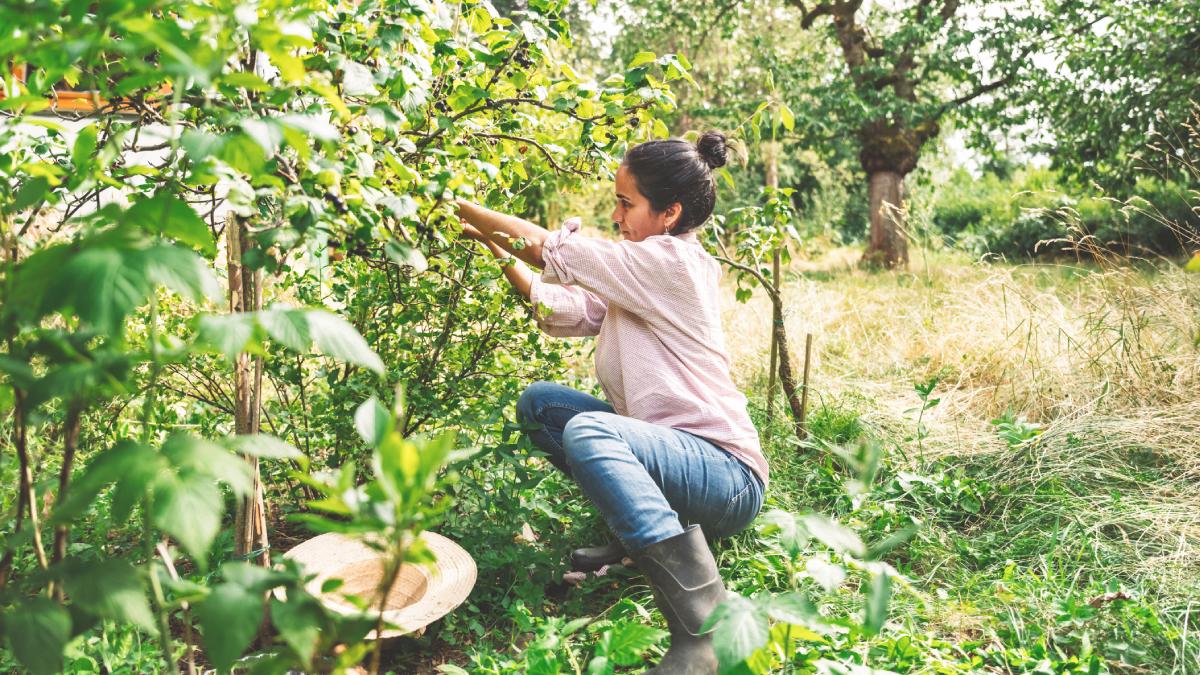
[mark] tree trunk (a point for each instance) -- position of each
(788, 379)
(771, 160)
(888, 246)
(245, 295)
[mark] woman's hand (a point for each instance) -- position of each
(503, 231)
(472, 232)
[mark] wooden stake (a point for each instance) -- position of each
(801, 425)
(245, 295)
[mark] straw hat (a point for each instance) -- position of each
(422, 594)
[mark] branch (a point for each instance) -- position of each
(810, 16)
(948, 9)
(970, 96)
(546, 106)
(755, 273)
(70, 444)
(549, 158)
(952, 5)
(922, 7)
(712, 25)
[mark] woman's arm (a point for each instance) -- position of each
(515, 271)
(560, 311)
(504, 230)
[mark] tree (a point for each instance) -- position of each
(324, 144)
(907, 69)
(1127, 83)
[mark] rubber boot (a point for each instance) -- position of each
(592, 558)
(687, 588)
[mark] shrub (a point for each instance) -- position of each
(1020, 216)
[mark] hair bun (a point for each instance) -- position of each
(711, 146)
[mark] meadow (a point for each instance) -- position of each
(239, 312)
(1051, 478)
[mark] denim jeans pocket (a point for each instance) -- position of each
(742, 509)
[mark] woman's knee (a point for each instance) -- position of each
(531, 400)
(581, 433)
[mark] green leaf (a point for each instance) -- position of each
(897, 538)
(574, 625)
(131, 465)
(291, 67)
(372, 421)
(792, 608)
(245, 80)
(200, 145)
(181, 271)
(243, 153)
(299, 623)
(313, 126)
(599, 665)
(739, 629)
(878, 595)
(252, 577)
(268, 136)
(786, 118)
(189, 508)
(167, 214)
(402, 255)
(288, 327)
(229, 618)
(113, 590)
(641, 59)
(228, 334)
(38, 630)
(629, 641)
(434, 452)
(337, 338)
(397, 464)
(792, 535)
(190, 453)
(265, 446)
(101, 287)
(834, 535)
(30, 193)
(727, 177)
(85, 146)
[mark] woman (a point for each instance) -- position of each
(672, 456)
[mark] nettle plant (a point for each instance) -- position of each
(822, 558)
(309, 152)
(759, 236)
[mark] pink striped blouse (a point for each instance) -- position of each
(660, 350)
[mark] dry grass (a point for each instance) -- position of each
(1113, 350)
(1106, 359)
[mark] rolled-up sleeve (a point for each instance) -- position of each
(633, 276)
(566, 311)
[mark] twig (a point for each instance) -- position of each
(539, 146)
(188, 639)
(70, 442)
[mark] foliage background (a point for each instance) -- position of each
(1000, 450)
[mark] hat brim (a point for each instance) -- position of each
(426, 592)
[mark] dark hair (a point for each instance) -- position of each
(674, 170)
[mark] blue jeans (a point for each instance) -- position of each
(649, 482)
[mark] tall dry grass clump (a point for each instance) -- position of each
(1103, 352)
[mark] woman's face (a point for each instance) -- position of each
(632, 213)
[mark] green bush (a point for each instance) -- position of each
(1020, 215)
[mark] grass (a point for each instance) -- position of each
(1020, 536)
(1053, 481)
